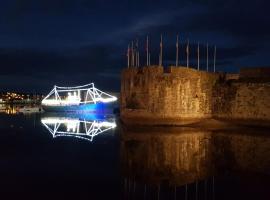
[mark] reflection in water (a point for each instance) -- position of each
(10, 109)
(13, 109)
(186, 159)
(176, 158)
(75, 127)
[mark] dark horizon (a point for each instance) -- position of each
(64, 42)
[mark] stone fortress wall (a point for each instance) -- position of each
(176, 95)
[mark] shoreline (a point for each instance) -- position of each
(206, 123)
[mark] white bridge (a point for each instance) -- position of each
(71, 127)
(77, 95)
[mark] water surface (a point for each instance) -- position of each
(84, 157)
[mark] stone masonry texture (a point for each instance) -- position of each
(180, 93)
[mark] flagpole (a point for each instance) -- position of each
(147, 53)
(149, 58)
(159, 53)
(207, 56)
(160, 56)
(198, 52)
(137, 65)
(136, 53)
(128, 56)
(132, 54)
(135, 57)
(187, 51)
(215, 52)
(176, 62)
(138, 59)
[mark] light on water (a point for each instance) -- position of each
(74, 127)
(66, 153)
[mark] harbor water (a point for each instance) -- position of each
(95, 157)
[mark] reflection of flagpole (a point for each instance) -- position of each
(207, 57)
(187, 52)
(215, 52)
(198, 52)
(177, 46)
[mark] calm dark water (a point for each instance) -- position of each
(36, 165)
(40, 158)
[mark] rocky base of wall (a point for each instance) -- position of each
(159, 121)
(205, 123)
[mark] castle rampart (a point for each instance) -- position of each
(181, 95)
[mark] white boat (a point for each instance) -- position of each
(85, 98)
(28, 109)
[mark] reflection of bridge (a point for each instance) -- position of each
(73, 127)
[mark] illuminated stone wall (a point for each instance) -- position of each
(242, 100)
(179, 95)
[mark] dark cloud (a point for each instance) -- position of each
(70, 66)
(243, 19)
(65, 42)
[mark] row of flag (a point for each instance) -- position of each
(133, 55)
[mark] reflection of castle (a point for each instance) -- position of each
(178, 160)
(74, 127)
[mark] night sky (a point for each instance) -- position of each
(72, 42)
